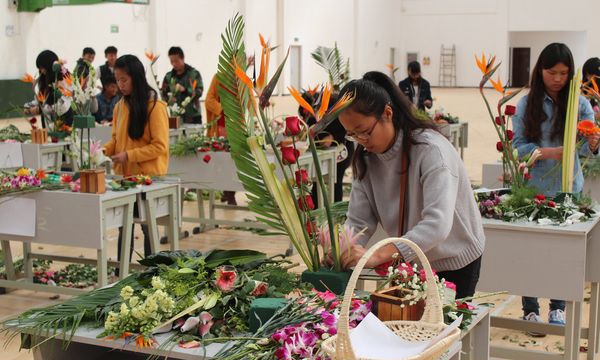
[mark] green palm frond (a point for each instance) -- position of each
(65, 318)
(234, 99)
(331, 60)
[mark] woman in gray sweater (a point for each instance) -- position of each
(440, 214)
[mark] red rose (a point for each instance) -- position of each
(292, 126)
(308, 202)
(66, 178)
(499, 146)
(552, 204)
(33, 120)
(217, 146)
(499, 120)
(510, 110)
(206, 158)
(203, 149)
(289, 155)
(510, 134)
(148, 181)
(527, 176)
(301, 177)
(540, 197)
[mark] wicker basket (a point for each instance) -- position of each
(339, 346)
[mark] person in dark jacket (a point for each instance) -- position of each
(416, 88)
(108, 69)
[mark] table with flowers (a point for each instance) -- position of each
(82, 220)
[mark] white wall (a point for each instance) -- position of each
(472, 25)
(538, 40)
(365, 30)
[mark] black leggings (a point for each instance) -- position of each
(465, 278)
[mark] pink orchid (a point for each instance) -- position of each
(205, 324)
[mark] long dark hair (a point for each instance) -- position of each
(371, 94)
(552, 54)
(45, 60)
(140, 95)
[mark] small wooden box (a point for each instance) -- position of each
(387, 305)
(39, 136)
(173, 122)
(92, 181)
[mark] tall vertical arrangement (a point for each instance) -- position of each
(570, 136)
(277, 187)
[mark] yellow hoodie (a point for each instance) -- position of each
(148, 155)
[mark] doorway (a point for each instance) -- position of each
(520, 64)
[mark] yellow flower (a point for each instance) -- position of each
(23, 172)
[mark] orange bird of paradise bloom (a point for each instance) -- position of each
(27, 78)
(151, 56)
(324, 101)
(41, 97)
(265, 56)
(484, 66)
(68, 79)
(303, 103)
(498, 85)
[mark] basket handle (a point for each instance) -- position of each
(433, 304)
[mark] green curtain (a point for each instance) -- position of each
(39, 5)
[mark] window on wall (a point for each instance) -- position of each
(296, 66)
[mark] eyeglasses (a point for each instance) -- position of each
(363, 136)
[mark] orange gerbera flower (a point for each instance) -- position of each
(40, 174)
(305, 105)
(28, 78)
(587, 127)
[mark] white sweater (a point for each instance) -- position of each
(441, 214)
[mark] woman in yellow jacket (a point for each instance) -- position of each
(140, 131)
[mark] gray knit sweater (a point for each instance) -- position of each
(441, 214)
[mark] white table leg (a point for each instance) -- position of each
(593, 320)
(173, 228)
(572, 330)
(150, 208)
(8, 260)
(27, 261)
(126, 241)
(480, 344)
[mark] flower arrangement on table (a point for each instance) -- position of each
(525, 202)
(440, 116)
(202, 297)
(129, 182)
(282, 203)
(178, 108)
(198, 143)
(411, 285)
(297, 330)
(26, 180)
(62, 93)
(528, 205)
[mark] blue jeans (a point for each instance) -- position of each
(531, 305)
